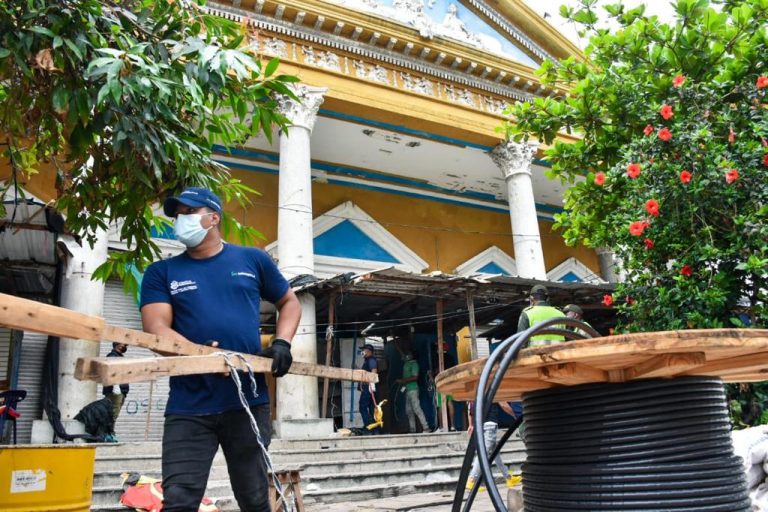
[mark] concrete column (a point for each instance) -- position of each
(79, 293)
(297, 397)
(608, 265)
(514, 160)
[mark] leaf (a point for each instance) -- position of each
(42, 30)
(60, 99)
(4, 52)
(271, 67)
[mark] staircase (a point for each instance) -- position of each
(335, 469)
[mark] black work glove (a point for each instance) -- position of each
(280, 352)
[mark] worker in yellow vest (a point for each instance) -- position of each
(538, 312)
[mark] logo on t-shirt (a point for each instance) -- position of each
(244, 274)
(182, 286)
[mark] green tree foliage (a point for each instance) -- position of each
(670, 168)
(126, 99)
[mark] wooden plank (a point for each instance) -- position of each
(665, 365)
(570, 374)
(747, 364)
(110, 371)
(33, 316)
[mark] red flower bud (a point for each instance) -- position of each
(765, 160)
(648, 130)
(731, 136)
(731, 176)
(608, 300)
(600, 179)
(665, 134)
(633, 170)
(762, 81)
(678, 81)
(685, 176)
(652, 207)
(648, 243)
(666, 112)
(687, 271)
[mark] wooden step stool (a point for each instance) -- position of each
(289, 479)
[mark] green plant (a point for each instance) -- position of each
(126, 99)
(670, 168)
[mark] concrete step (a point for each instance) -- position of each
(105, 475)
(139, 462)
(152, 447)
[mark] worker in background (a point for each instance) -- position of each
(575, 312)
(490, 431)
(368, 391)
(538, 312)
(117, 399)
(410, 381)
(213, 291)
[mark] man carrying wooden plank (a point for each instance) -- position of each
(210, 294)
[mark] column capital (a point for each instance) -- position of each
(303, 112)
(514, 157)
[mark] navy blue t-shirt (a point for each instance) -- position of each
(215, 299)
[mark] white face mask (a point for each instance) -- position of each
(189, 229)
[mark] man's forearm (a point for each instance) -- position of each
(288, 318)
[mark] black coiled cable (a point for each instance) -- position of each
(654, 445)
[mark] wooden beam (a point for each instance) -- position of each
(33, 316)
(665, 365)
(472, 326)
(328, 348)
(441, 362)
(571, 374)
(112, 370)
(28, 315)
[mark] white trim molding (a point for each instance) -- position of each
(328, 266)
(574, 266)
(491, 255)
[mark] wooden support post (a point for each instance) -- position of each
(472, 326)
(441, 363)
(328, 348)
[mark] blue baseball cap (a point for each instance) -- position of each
(194, 197)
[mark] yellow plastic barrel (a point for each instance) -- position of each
(37, 478)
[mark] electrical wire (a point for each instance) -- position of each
(641, 446)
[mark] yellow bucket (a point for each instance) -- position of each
(37, 478)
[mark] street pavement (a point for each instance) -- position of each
(429, 502)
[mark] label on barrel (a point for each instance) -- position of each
(28, 480)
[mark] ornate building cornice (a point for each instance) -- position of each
(283, 49)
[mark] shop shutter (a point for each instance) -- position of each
(141, 417)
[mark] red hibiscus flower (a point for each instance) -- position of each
(648, 243)
(648, 130)
(687, 271)
(685, 176)
(731, 176)
(765, 160)
(608, 300)
(600, 179)
(636, 228)
(652, 207)
(762, 81)
(633, 170)
(666, 111)
(665, 134)
(678, 81)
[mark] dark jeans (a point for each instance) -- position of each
(189, 445)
